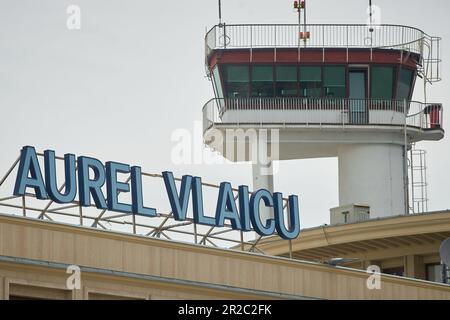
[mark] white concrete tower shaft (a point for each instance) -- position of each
(263, 179)
(373, 175)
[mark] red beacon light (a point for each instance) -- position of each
(295, 4)
(302, 4)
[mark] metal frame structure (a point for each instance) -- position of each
(419, 183)
(379, 112)
(155, 227)
(407, 40)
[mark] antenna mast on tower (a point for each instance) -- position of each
(301, 7)
(370, 16)
(220, 13)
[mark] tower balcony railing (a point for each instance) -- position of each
(322, 112)
(326, 36)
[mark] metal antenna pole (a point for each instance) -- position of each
(304, 13)
(299, 21)
(220, 12)
(304, 22)
(405, 160)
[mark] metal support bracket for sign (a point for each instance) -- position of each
(164, 225)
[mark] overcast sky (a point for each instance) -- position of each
(118, 88)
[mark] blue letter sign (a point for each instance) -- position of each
(262, 212)
(51, 181)
(29, 163)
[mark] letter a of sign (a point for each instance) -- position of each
(74, 280)
(374, 281)
(74, 18)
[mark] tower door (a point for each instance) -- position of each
(358, 96)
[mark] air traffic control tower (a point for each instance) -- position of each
(340, 91)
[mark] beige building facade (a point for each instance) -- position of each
(35, 256)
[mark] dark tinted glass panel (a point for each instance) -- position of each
(334, 81)
(286, 81)
(236, 73)
(357, 83)
(236, 81)
(262, 81)
(404, 84)
(382, 82)
(217, 83)
(399, 271)
(311, 81)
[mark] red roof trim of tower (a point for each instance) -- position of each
(329, 56)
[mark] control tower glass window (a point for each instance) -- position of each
(217, 83)
(262, 81)
(404, 84)
(236, 80)
(382, 82)
(311, 81)
(286, 81)
(334, 81)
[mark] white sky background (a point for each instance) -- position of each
(119, 87)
